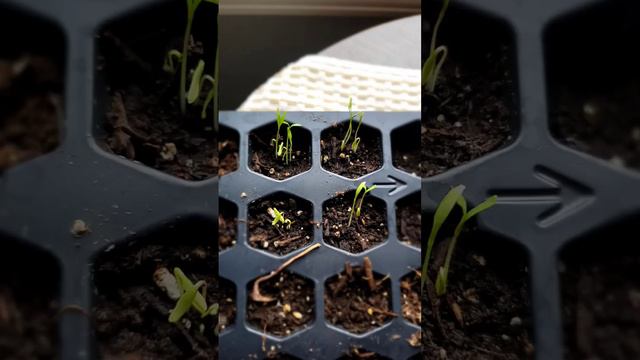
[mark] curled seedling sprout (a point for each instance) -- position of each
(182, 56)
(281, 119)
(288, 155)
(191, 298)
(198, 79)
(360, 194)
(278, 218)
(437, 55)
(448, 203)
(347, 136)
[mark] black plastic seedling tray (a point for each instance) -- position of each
(121, 201)
(549, 194)
(242, 263)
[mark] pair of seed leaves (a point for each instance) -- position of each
(190, 298)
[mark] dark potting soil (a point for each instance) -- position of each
(471, 113)
(601, 306)
(409, 221)
(263, 152)
(360, 354)
(227, 313)
(363, 233)
(405, 145)
(485, 314)
(227, 153)
(350, 164)
(131, 312)
(227, 228)
(291, 310)
(143, 121)
(603, 123)
(350, 301)
(280, 239)
(30, 108)
(411, 300)
(27, 325)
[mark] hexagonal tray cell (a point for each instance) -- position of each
(358, 299)
(291, 310)
(346, 162)
(359, 354)
(281, 238)
(32, 67)
(601, 294)
(228, 147)
(262, 151)
(411, 297)
(472, 110)
(135, 291)
(227, 224)
(364, 233)
(405, 145)
(28, 302)
(227, 301)
(597, 114)
(139, 113)
(486, 309)
(409, 220)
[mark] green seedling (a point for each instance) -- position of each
(289, 147)
(191, 298)
(284, 149)
(448, 203)
(347, 136)
(182, 56)
(281, 119)
(356, 210)
(278, 218)
(437, 55)
(198, 79)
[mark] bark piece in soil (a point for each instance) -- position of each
(411, 300)
(362, 354)
(280, 240)
(488, 286)
(143, 116)
(405, 146)
(227, 224)
(367, 159)
(409, 220)
(364, 233)
(472, 113)
(601, 303)
(263, 156)
(227, 151)
(351, 303)
(131, 312)
(30, 108)
(292, 309)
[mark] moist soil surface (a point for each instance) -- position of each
(364, 233)
(131, 312)
(601, 308)
(350, 164)
(227, 228)
(143, 121)
(485, 313)
(263, 153)
(409, 222)
(27, 326)
(227, 314)
(352, 303)
(411, 301)
(280, 239)
(604, 124)
(292, 307)
(408, 161)
(227, 154)
(470, 114)
(30, 108)
(405, 144)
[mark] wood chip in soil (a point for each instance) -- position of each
(364, 233)
(411, 299)
(131, 312)
(280, 240)
(291, 310)
(350, 164)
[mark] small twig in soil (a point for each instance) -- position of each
(255, 293)
(368, 271)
